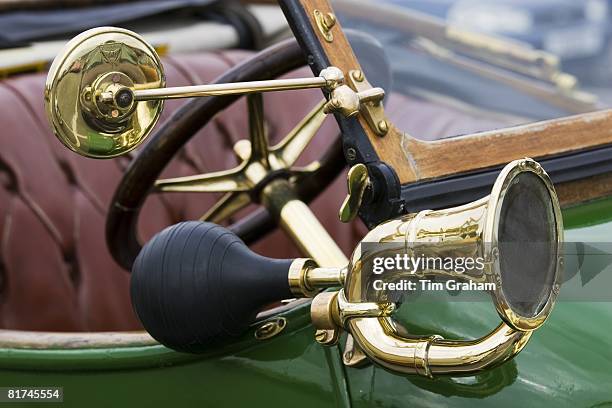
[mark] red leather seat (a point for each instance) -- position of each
(55, 271)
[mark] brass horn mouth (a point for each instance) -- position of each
(524, 227)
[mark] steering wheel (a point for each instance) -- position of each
(141, 176)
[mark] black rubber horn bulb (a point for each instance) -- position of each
(196, 285)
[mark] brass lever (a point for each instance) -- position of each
(358, 182)
(329, 78)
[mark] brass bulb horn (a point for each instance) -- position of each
(517, 231)
(196, 284)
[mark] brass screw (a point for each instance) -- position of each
(270, 329)
(348, 355)
(383, 126)
(351, 154)
(329, 20)
(321, 336)
(357, 75)
(114, 113)
(324, 23)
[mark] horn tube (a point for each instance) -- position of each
(521, 208)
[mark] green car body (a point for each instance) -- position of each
(567, 363)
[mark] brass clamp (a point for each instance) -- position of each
(331, 310)
(358, 96)
(372, 108)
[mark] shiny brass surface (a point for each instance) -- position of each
(353, 355)
(467, 229)
(324, 311)
(237, 88)
(94, 62)
(358, 181)
(256, 163)
(306, 279)
(349, 102)
(329, 78)
(325, 22)
(372, 107)
(298, 283)
(325, 277)
(305, 230)
(105, 92)
(348, 310)
(328, 337)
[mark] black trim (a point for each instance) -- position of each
(353, 135)
(456, 190)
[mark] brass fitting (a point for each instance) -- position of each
(306, 280)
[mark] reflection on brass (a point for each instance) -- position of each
(348, 310)
(271, 328)
(324, 311)
(325, 22)
(358, 181)
(92, 63)
(471, 229)
(237, 88)
(329, 78)
(302, 226)
(330, 310)
(306, 279)
(298, 283)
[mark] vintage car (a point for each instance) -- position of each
(258, 292)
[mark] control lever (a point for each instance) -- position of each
(358, 181)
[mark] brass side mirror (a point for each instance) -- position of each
(93, 64)
(105, 91)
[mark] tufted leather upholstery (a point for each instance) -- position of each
(55, 271)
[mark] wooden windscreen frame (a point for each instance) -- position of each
(416, 161)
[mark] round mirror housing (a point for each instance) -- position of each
(88, 97)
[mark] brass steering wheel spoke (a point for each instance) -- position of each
(258, 137)
(258, 160)
(227, 206)
(217, 182)
(288, 150)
